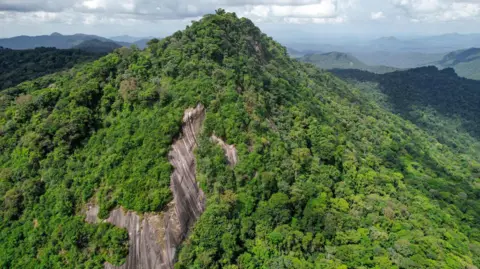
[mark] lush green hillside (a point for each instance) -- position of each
(465, 62)
(325, 179)
(439, 101)
(97, 46)
(17, 66)
(339, 60)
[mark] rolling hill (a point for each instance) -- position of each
(17, 66)
(54, 40)
(213, 148)
(465, 62)
(338, 60)
(97, 46)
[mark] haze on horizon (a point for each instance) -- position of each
(283, 19)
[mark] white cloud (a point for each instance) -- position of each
(439, 10)
(261, 10)
(377, 15)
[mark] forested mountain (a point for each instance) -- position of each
(97, 46)
(401, 60)
(17, 66)
(138, 41)
(128, 39)
(339, 60)
(465, 62)
(55, 40)
(322, 176)
(439, 101)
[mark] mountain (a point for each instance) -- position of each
(129, 39)
(142, 43)
(400, 60)
(295, 53)
(406, 52)
(339, 60)
(97, 46)
(450, 42)
(465, 62)
(17, 66)
(213, 148)
(55, 40)
(428, 44)
(439, 101)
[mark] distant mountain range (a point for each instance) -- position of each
(466, 63)
(339, 60)
(399, 59)
(60, 41)
(129, 39)
(394, 51)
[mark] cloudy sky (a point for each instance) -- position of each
(281, 18)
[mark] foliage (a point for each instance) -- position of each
(427, 87)
(326, 178)
(465, 62)
(338, 60)
(97, 46)
(17, 66)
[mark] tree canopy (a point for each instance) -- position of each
(326, 177)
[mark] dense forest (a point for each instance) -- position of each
(465, 62)
(17, 66)
(326, 177)
(339, 60)
(438, 101)
(97, 46)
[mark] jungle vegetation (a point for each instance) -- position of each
(327, 177)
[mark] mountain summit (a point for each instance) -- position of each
(214, 149)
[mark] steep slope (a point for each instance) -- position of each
(54, 40)
(97, 46)
(465, 62)
(322, 177)
(17, 66)
(339, 60)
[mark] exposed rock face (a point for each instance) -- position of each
(154, 238)
(188, 198)
(230, 150)
(144, 250)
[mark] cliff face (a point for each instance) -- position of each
(144, 234)
(188, 199)
(153, 238)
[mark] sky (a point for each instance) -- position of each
(283, 19)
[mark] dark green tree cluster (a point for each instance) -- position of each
(17, 66)
(326, 178)
(427, 87)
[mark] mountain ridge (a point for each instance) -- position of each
(466, 62)
(55, 40)
(340, 60)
